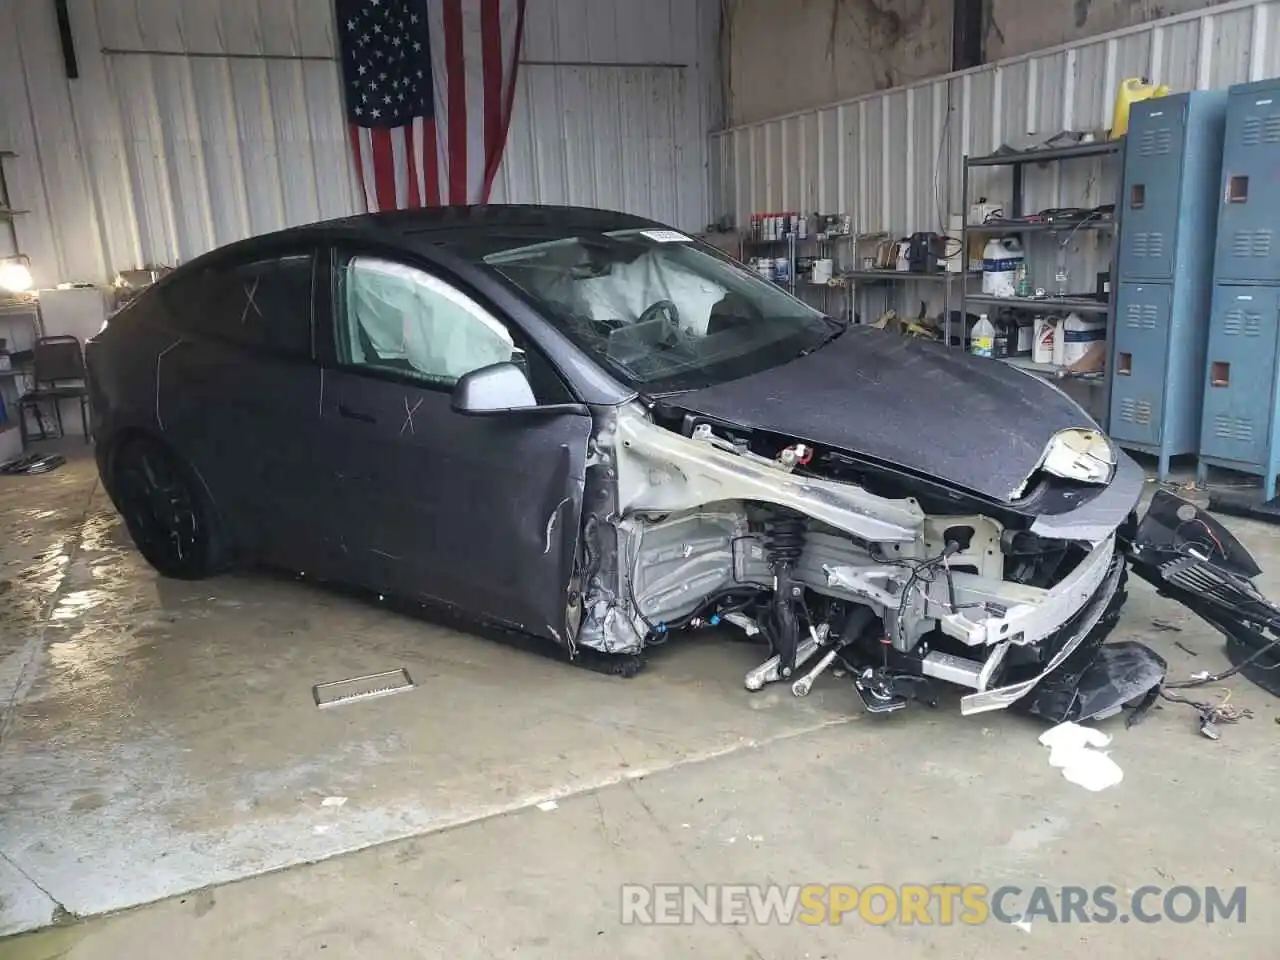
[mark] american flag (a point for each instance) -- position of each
(429, 86)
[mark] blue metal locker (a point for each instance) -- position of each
(1172, 168)
(1248, 244)
(1240, 396)
(1238, 427)
(1143, 317)
(1152, 189)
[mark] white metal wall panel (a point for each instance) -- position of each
(897, 144)
(899, 168)
(154, 158)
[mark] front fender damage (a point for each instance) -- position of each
(650, 486)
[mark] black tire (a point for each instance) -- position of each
(168, 512)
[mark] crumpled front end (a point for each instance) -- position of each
(707, 524)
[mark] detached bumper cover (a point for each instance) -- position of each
(1118, 673)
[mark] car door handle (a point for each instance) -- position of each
(345, 411)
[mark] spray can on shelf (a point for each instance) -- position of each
(982, 339)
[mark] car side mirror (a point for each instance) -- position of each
(497, 388)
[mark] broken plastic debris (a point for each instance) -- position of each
(1075, 750)
(548, 805)
(333, 801)
(1202, 675)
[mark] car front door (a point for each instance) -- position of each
(480, 512)
(238, 398)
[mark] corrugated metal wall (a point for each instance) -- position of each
(153, 158)
(894, 159)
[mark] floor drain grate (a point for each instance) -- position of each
(362, 688)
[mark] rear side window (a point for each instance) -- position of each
(264, 304)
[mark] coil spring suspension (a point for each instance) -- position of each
(784, 536)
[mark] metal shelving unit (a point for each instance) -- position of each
(19, 314)
(1015, 226)
(835, 247)
(856, 278)
(901, 276)
(1023, 157)
(1090, 384)
(1078, 304)
(827, 247)
(787, 243)
(831, 247)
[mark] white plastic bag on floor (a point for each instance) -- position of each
(1076, 750)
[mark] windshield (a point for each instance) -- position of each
(660, 310)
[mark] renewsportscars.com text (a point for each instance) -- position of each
(927, 904)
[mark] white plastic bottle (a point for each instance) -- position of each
(1075, 336)
(1045, 339)
(982, 339)
(1000, 261)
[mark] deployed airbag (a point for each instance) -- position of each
(406, 314)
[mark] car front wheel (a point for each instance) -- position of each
(168, 513)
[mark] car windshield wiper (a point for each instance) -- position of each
(837, 329)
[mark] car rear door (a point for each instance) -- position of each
(238, 397)
(481, 512)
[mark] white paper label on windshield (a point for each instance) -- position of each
(666, 236)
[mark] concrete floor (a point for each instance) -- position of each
(159, 740)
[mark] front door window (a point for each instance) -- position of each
(396, 317)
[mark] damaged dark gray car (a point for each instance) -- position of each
(591, 428)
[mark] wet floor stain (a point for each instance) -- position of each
(53, 943)
(202, 902)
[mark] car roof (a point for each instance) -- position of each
(435, 223)
(453, 225)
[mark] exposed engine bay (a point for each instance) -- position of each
(696, 526)
(691, 528)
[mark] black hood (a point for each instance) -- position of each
(971, 422)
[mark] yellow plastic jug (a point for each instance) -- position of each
(1131, 91)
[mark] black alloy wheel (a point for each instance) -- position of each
(167, 513)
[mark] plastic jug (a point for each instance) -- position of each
(1044, 339)
(1075, 336)
(983, 337)
(1131, 91)
(1000, 261)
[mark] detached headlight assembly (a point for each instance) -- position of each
(1082, 455)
